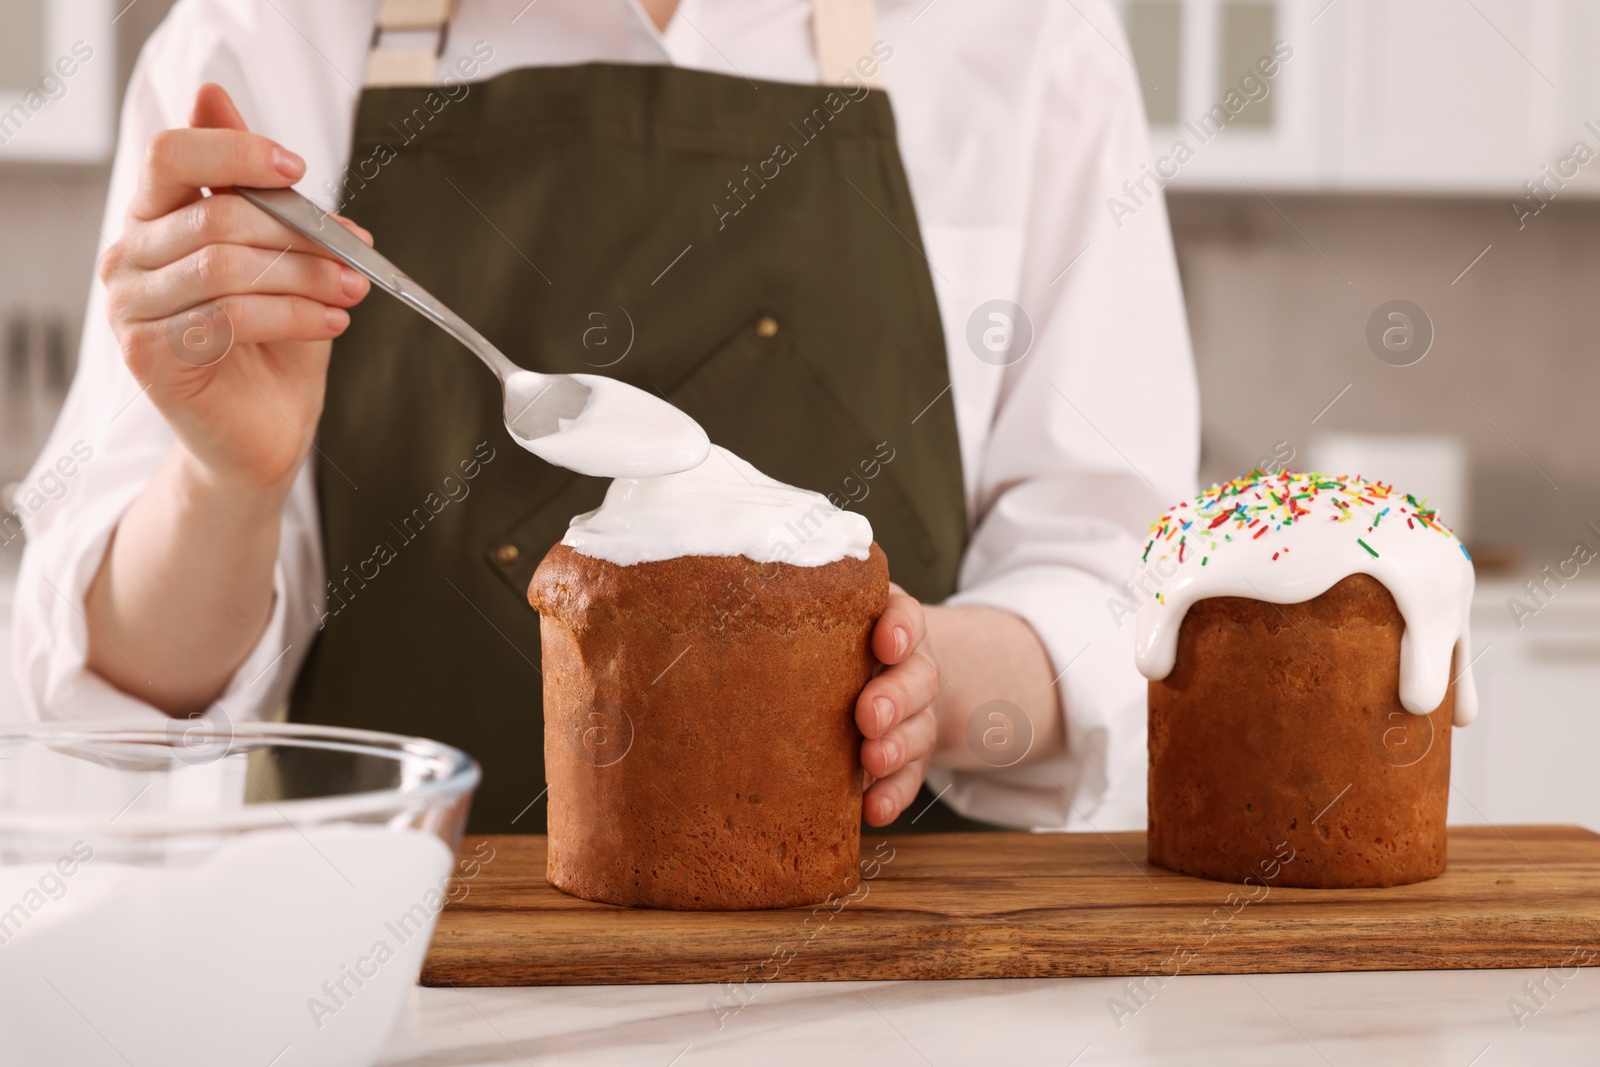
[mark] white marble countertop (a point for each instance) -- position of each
(1370, 1019)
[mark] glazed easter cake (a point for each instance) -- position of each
(705, 637)
(1305, 640)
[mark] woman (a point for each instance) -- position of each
(298, 494)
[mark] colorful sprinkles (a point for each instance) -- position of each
(1268, 503)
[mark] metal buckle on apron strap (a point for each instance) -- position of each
(406, 42)
(410, 34)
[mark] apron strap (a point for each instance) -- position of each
(407, 41)
(409, 36)
(845, 32)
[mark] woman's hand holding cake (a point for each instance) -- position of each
(941, 665)
(895, 710)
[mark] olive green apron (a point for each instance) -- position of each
(749, 253)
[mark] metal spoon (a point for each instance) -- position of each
(534, 404)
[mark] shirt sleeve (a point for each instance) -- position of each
(109, 440)
(1096, 429)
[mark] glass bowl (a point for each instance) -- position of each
(212, 894)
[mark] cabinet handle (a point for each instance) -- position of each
(1547, 650)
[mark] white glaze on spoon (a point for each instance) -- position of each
(1287, 538)
(622, 432)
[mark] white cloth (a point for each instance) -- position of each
(1016, 120)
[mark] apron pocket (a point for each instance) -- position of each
(515, 554)
(760, 397)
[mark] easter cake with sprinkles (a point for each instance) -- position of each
(1306, 644)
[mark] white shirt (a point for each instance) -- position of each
(1017, 120)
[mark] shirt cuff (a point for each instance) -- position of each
(1098, 783)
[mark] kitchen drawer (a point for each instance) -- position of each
(1529, 757)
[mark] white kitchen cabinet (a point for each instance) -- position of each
(1190, 55)
(1464, 96)
(1441, 95)
(58, 67)
(1530, 756)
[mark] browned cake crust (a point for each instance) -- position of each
(700, 737)
(1280, 728)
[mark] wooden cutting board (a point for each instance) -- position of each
(1015, 905)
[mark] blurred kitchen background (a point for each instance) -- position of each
(1440, 153)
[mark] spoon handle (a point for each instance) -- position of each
(318, 227)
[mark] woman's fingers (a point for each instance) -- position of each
(213, 220)
(150, 348)
(214, 109)
(900, 629)
(895, 710)
(267, 319)
(888, 797)
(908, 743)
(895, 694)
(216, 271)
(215, 152)
(179, 163)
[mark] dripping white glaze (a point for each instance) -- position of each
(723, 507)
(1318, 530)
